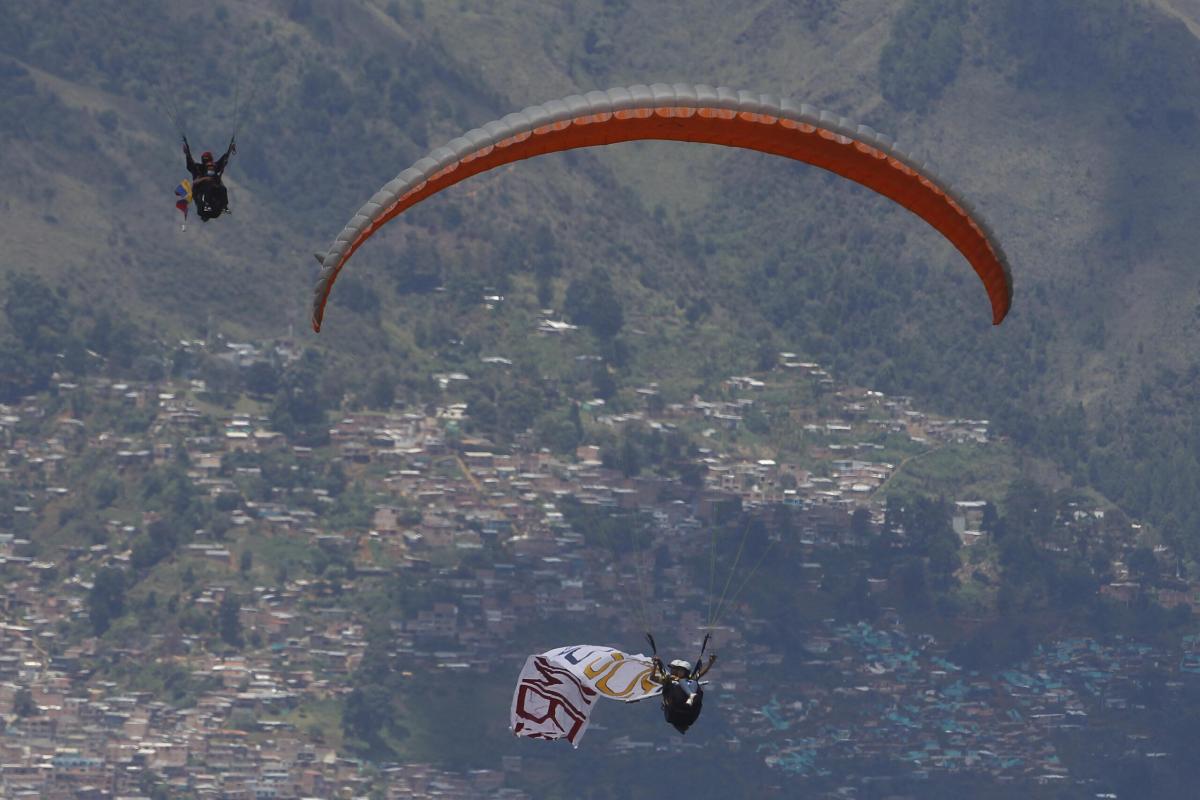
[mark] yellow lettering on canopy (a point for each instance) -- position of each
(639, 677)
(591, 670)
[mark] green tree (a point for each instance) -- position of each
(990, 519)
(22, 371)
(860, 525)
(229, 623)
(914, 585)
(106, 600)
(158, 542)
(556, 431)
(366, 711)
(923, 53)
(358, 297)
(299, 410)
(592, 301)
(262, 379)
(1144, 566)
(37, 314)
(382, 392)
(105, 489)
(603, 383)
(419, 272)
(629, 457)
(376, 664)
(757, 422)
(23, 705)
(893, 515)
(1029, 509)
(117, 341)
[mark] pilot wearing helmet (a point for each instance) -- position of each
(682, 692)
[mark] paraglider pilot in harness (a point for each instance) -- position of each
(682, 692)
(212, 200)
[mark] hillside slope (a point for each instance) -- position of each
(1071, 127)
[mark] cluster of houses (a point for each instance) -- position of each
(244, 733)
(442, 500)
(881, 696)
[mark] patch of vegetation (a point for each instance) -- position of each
(923, 52)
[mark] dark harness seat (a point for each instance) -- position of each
(682, 701)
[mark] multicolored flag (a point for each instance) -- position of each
(556, 690)
(184, 192)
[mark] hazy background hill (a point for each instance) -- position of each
(1072, 126)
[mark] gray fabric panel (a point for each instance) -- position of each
(706, 95)
(664, 95)
(726, 98)
(685, 95)
(619, 97)
(641, 96)
(558, 110)
(598, 102)
(382, 198)
(828, 120)
(516, 123)
(395, 187)
(578, 104)
(460, 146)
(748, 101)
(769, 104)
(426, 166)
(411, 177)
(538, 116)
(498, 131)
(790, 109)
(444, 156)
(479, 138)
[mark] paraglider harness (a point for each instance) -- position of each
(205, 186)
(682, 689)
(207, 189)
